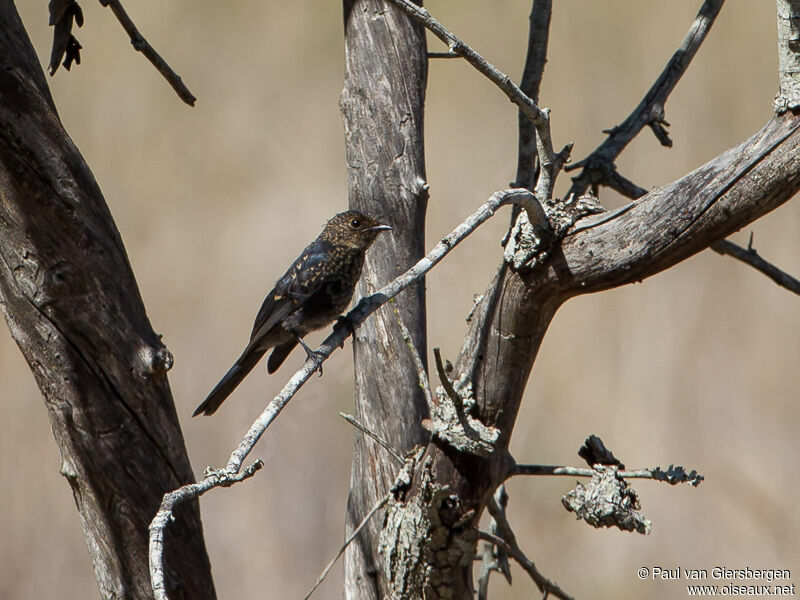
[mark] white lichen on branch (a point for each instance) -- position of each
(527, 245)
(607, 501)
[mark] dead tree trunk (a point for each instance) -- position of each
(70, 299)
(382, 106)
(427, 542)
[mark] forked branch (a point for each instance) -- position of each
(550, 161)
(356, 316)
(598, 167)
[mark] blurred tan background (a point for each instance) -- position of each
(697, 366)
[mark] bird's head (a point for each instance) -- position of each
(352, 229)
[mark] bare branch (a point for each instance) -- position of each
(369, 305)
(545, 585)
(443, 55)
(212, 479)
(750, 256)
(550, 161)
(624, 186)
(535, 60)
(650, 111)
(493, 557)
(448, 385)
(537, 116)
(356, 316)
(422, 374)
(672, 475)
(142, 45)
(381, 442)
(380, 504)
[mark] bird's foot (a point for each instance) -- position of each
(313, 356)
(345, 321)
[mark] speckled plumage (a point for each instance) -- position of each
(312, 293)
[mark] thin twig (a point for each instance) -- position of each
(143, 46)
(422, 374)
(550, 161)
(750, 256)
(380, 504)
(370, 304)
(672, 475)
(170, 501)
(356, 316)
(532, 73)
(495, 558)
(599, 164)
(545, 585)
(363, 428)
(458, 402)
(443, 55)
(457, 46)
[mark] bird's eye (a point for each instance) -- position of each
(355, 223)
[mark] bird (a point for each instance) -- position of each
(312, 293)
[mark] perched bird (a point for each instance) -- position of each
(312, 293)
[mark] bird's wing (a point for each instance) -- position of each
(301, 281)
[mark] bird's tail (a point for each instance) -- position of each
(279, 354)
(233, 378)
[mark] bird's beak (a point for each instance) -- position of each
(379, 228)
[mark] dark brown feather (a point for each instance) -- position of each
(312, 293)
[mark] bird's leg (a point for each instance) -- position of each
(313, 355)
(344, 321)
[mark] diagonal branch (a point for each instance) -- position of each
(422, 375)
(369, 305)
(458, 402)
(212, 479)
(548, 587)
(456, 46)
(380, 441)
(378, 505)
(356, 316)
(597, 167)
(535, 60)
(142, 45)
(492, 557)
(604, 251)
(750, 256)
(550, 161)
(679, 219)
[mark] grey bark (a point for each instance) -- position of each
(788, 55)
(382, 106)
(71, 302)
(428, 537)
(661, 229)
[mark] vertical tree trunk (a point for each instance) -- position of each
(788, 55)
(382, 106)
(72, 304)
